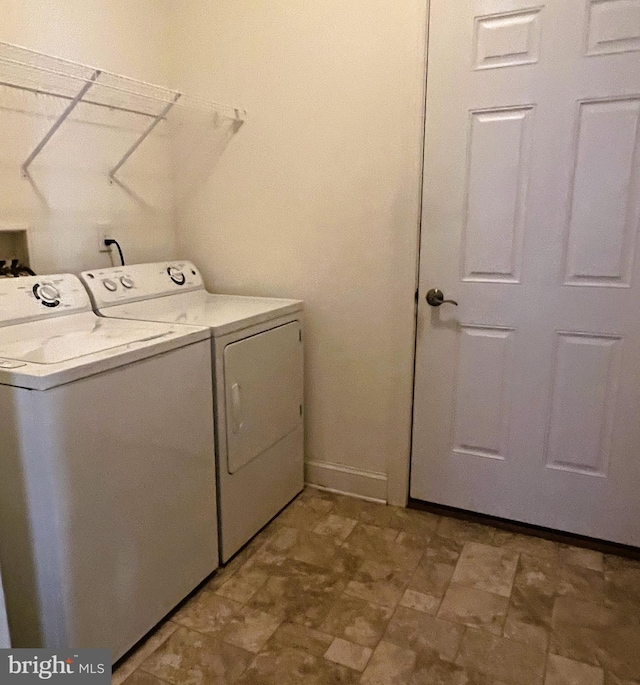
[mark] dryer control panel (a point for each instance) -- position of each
(123, 284)
(40, 297)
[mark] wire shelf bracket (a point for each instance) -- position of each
(160, 117)
(59, 121)
(74, 83)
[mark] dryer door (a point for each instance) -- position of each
(263, 391)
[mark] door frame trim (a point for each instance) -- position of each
(399, 468)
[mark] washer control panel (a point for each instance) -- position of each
(39, 297)
(123, 284)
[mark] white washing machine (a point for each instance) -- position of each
(107, 494)
(257, 355)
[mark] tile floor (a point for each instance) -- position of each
(338, 591)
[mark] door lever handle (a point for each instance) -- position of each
(435, 297)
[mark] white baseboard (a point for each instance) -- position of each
(345, 479)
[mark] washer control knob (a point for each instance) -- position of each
(127, 282)
(110, 285)
(176, 275)
(48, 293)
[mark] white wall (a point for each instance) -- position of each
(317, 197)
(117, 35)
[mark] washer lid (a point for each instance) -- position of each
(221, 313)
(42, 354)
(63, 339)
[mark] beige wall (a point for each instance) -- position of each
(117, 35)
(317, 197)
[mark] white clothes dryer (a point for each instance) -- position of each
(107, 495)
(258, 380)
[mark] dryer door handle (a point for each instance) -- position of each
(236, 408)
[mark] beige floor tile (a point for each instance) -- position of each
(465, 531)
(367, 532)
(622, 581)
(389, 665)
(341, 576)
(190, 658)
(431, 670)
(598, 635)
(378, 583)
(299, 637)
(416, 522)
(143, 678)
(207, 613)
(363, 510)
(612, 561)
(250, 629)
(562, 576)
(317, 500)
(313, 492)
(304, 545)
(501, 658)
(336, 526)
(299, 593)
(378, 544)
(314, 549)
(579, 556)
(305, 513)
(413, 540)
(529, 617)
(487, 568)
(435, 568)
(561, 671)
(248, 551)
(126, 668)
(611, 679)
(419, 523)
(348, 654)
(346, 563)
(537, 574)
(474, 608)
(254, 576)
(428, 604)
(576, 626)
(237, 590)
(383, 516)
(289, 666)
(581, 582)
(357, 620)
(423, 633)
(526, 544)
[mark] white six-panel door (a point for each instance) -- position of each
(527, 399)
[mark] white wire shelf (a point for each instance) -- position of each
(79, 84)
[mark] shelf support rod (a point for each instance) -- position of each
(61, 119)
(143, 137)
